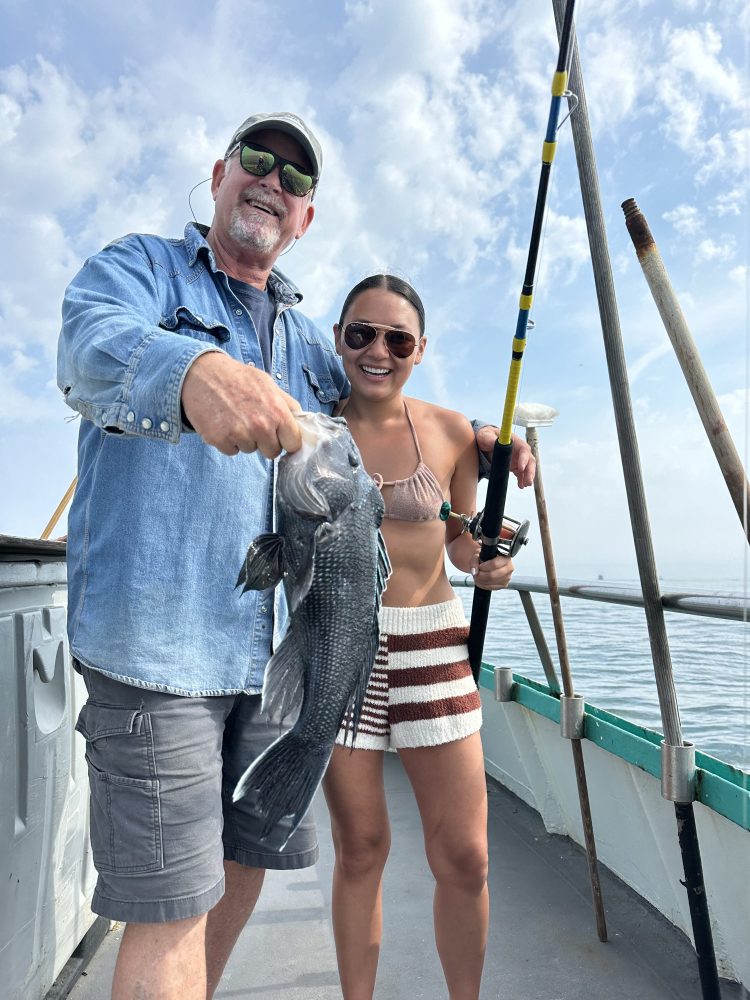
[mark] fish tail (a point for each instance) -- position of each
(281, 784)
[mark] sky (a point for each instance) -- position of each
(431, 114)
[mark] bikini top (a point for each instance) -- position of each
(417, 498)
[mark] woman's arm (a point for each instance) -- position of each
(462, 550)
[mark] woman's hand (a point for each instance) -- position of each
(494, 574)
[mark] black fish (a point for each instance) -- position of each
(332, 560)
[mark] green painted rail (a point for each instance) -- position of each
(719, 786)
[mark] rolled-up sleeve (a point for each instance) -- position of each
(117, 366)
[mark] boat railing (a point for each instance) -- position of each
(734, 607)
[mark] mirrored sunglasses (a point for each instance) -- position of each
(259, 161)
(399, 343)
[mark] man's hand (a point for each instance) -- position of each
(522, 463)
(237, 407)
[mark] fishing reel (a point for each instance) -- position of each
(513, 533)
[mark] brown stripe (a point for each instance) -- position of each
(443, 707)
(438, 673)
(456, 636)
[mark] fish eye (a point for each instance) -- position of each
(353, 459)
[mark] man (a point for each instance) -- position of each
(187, 360)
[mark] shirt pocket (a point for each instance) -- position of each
(126, 833)
(322, 391)
(190, 324)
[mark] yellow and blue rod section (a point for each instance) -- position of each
(497, 487)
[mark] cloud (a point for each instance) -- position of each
(709, 249)
(694, 79)
(685, 218)
(646, 360)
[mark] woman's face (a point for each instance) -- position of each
(373, 370)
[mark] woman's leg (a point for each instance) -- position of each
(449, 784)
(361, 837)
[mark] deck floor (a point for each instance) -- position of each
(542, 946)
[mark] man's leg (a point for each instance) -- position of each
(162, 961)
(225, 922)
(185, 958)
(155, 770)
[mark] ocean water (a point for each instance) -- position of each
(610, 660)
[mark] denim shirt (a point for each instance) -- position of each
(161, 522)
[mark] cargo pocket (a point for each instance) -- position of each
(126, 831)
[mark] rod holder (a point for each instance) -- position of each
(504, 683)
(678, 772)
(571, 716)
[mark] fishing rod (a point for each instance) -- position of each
(497, 487)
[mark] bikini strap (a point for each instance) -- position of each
(413, 433)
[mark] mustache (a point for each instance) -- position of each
(266, 200)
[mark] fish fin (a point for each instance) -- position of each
(354, 709)
(283, 682)
(264, 563)
(351, 717)
(298, 591)
(280, 785)
(383, 570)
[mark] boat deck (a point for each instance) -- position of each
(542, 945)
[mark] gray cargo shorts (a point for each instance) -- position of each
(162, 769)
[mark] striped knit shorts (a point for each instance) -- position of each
(421, 692)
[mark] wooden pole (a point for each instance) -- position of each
(60, 508)
(690, 360)
(567, 678)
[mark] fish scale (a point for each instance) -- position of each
(332, 560)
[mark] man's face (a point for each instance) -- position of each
(256, 213)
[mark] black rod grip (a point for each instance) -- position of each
(492, 519)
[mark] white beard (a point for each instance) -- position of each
(258, 234)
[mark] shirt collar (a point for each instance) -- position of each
(280, 286)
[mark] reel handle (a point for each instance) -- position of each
(513, 533)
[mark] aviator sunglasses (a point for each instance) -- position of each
(399, 343)
(259, 161)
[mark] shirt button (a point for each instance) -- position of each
(278, 375)
(164, 426)
(104, 417)
(130, 417)
(264, 609)
(237, 312)
(146, 424)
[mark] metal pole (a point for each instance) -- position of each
(690, 360)
(539, 641)
(634, 488)
(532, 437)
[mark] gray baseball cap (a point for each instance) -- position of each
(283, 121)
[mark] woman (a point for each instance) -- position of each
(421, 699)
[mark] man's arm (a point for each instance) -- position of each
(116, 365)
(123, 371)
(522, 463)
